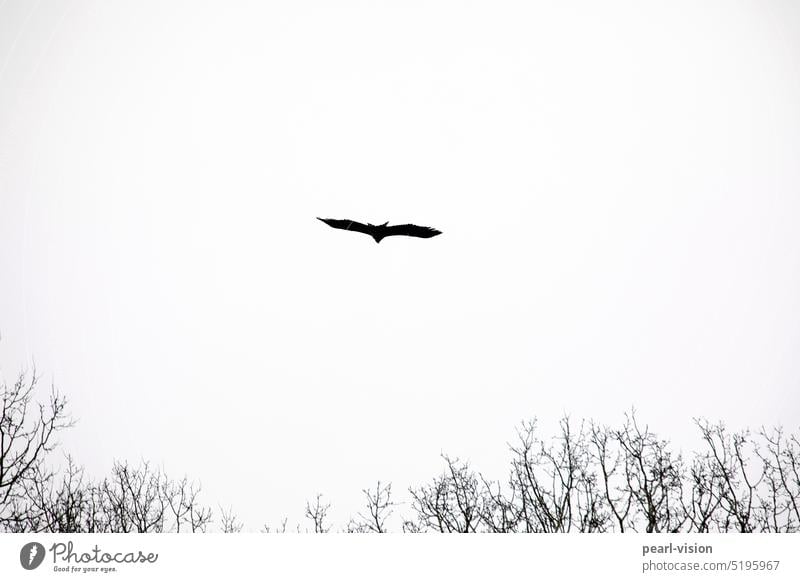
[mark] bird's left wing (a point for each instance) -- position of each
(346, 225)
(412, 230)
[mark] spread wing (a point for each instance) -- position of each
(347, 225)
(411, 230)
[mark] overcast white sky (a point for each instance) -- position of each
(618, 185)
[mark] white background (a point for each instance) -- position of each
(618, 185)
(404, 557)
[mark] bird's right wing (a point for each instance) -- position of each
(412, 230)
(346, 225)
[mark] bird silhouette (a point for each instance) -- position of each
(381, 231)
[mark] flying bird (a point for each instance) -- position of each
(381, 231)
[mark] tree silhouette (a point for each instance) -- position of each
(27, 434)
(379, 509)
(586, 478)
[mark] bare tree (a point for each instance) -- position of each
(317, 513)
(628, 479)
(452, 502)
(34, 497)
(49, 504)
(653, 477)
(379, 508)
(229, 522)
(185, 511)
(700, 494)
(729, 466)
(609, 460)
(279, 529)
(27, 433)
(554, 483)
(781, 462)
(501, 512)
(586, 478)
(134, 499)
